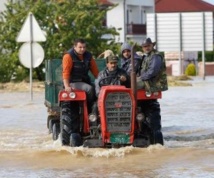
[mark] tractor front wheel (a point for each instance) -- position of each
(69, 121)
(156, 137)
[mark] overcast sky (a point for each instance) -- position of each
(210, 1)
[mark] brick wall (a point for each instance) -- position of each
(169, 70)
(209, 68)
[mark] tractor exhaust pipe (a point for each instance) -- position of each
(133, 74)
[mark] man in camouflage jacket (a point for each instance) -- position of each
(153, 78)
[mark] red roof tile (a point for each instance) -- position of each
(105, 2)
(182, 6)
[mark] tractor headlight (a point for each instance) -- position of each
(92, 117)
(155, 93)
(140, 116)
(64, 95)
(148, 94)
(72, 95)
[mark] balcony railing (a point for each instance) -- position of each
(136, 29)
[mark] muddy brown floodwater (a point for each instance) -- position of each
(27, 150)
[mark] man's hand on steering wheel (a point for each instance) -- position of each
(110, 80)
(123, 78)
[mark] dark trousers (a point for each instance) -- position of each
(90, 92)
(151, 109)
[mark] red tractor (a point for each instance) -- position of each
(119, 122)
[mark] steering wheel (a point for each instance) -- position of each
(108, 80)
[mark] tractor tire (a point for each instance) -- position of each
(56, 130)
(69, 114)
(156, 138)
(50, 117)
(75, 140)
(50, 122)
(50, 125)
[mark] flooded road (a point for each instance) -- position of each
(27, 150)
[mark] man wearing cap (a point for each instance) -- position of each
(113, 74)
(126, 59)
(154, 78)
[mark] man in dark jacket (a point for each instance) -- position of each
(76, 64)
(154, 79)
(126, 59)
(112, 75)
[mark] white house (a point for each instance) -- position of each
(2, 5)
(130, 17)
(3, 2)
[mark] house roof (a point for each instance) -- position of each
(182, 6)
(105, 2)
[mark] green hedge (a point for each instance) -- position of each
(209, 56)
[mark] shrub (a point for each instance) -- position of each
(190, 70)
(209, 56)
